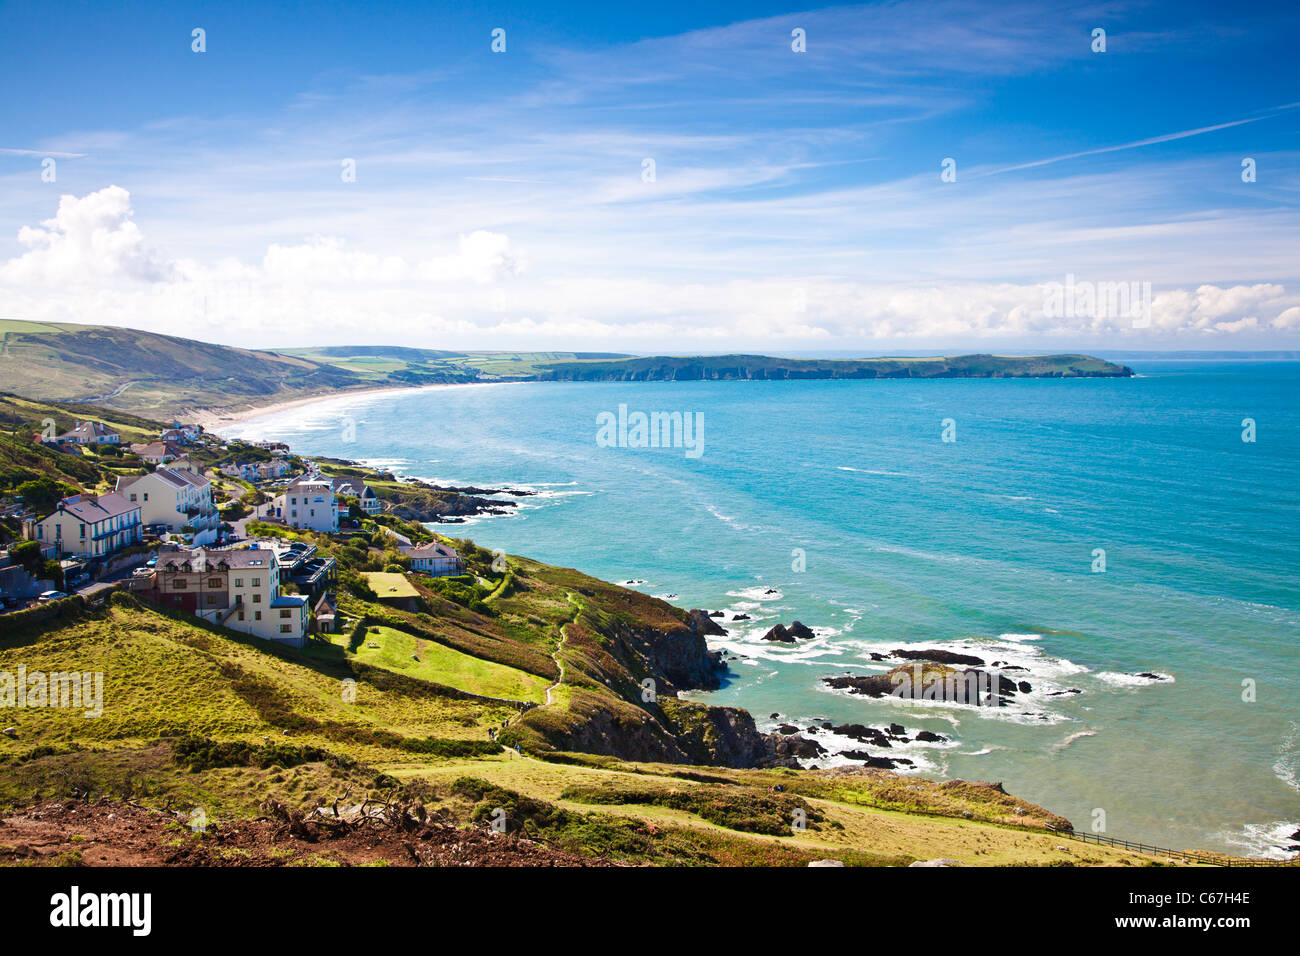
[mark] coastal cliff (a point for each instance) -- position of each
(767, 368)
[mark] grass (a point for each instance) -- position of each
(397, 650)
(387, 584)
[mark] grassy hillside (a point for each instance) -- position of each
(197, 717)
(151, 374)
(729, 367)
(395, 364)
(164, 376)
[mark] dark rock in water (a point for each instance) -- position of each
(940, 657)
(1294, 836)
(716, 614)
(897, 729)
(882, 763)
(775, 716)
(930, 737)
(740, 617)
(1014, 667)
(868, 735)
(787, 729)
(872, 685)
(1025, 687)
(877, 657)
(779, 633)
(969, 686)
(1068, 690)
(770, 591)
(794, 746)
(703, 623)
(788, 635)
(827, 725)
(1149, 676)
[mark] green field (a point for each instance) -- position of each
(407, 654)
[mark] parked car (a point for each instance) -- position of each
(47, 596)
(142, 572)
(152, 562)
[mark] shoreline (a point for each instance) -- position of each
(213, 420)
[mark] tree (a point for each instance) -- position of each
(43, 493)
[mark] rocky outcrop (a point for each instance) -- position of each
(789, 635)
(926, 681)
(702, 622)
(786, 750)
(940, 657)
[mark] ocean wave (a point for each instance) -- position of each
(1266, 840)
(1287, 765)
(1058, 747)
(1118, 679)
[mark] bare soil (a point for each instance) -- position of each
(115, 833)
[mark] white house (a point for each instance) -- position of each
(356, 488)
(305, 503)
(434, 559)
(275, 468)
(91, 526)
(157, 452)
(246, 470)
(176, 498)
(239, 589)
(89, 433)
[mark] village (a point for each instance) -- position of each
(196, 532)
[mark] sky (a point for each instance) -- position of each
(667, 177)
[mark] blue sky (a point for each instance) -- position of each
(502, 199)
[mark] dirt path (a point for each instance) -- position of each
(555, 655)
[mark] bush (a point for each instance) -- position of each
(358, 635)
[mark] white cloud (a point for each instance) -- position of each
(89, 239)
(325, 290)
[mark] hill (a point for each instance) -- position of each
(516, 695)
(198, 719)
(165, 376)
(152, 374)
(763, 367)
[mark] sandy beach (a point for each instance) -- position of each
(214, 420)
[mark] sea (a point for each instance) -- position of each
(1127, 547)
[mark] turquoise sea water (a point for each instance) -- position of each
(984, 544)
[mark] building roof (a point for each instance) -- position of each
(240, 559)
(92, 508)
(88, 430)
(310, 484)
(177, 478)
(157, 448)
(434, 549)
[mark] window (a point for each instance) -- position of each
(241, 615)
(214, 582)
(257, 599)
(257, 615)
(239, 582)
(285, 613)
(146, 496)
(178, 584)
(133, 496)
(257, 582)
(83, 530)
(286, 629)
